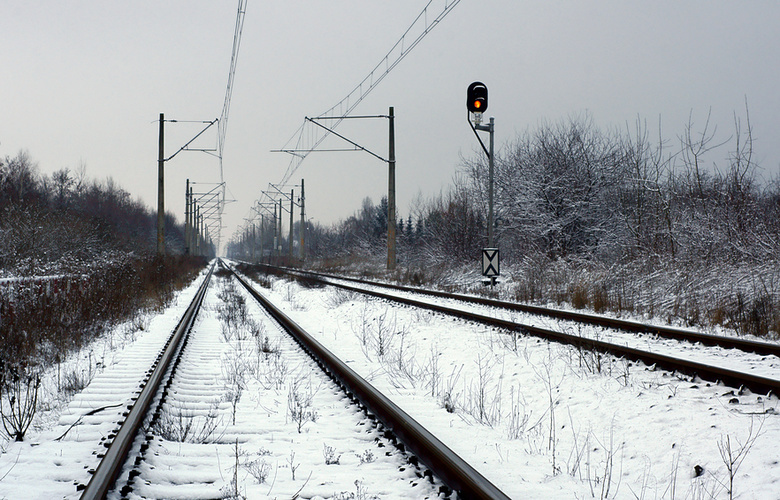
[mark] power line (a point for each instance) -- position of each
(223, 120)
(308, 139)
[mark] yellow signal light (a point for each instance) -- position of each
(477, 98)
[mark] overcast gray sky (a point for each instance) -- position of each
(84, 82)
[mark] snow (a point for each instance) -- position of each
(263, 432)
(756, 364)
(54, 460)
(539, 420)
(653, 427)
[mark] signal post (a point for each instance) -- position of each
(476, 104)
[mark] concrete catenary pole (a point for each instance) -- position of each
(199, 231)
(302, 228)
(279, 227)
(262, 248)
(253, 243)
(273, 250)
(187, 219)
(391, 194)
(161, 190)
(292, 206)
(191, 241)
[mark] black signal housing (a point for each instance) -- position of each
(477, 97)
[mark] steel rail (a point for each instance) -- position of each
(757, 347)
(111, 465)
(756, 384)
(453, 471)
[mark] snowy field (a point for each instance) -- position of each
(539, 420)
(748, 362)
(547, 421)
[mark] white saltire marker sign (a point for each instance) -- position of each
(490, 262)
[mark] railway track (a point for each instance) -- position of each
(137, 455)
(112, 462)
(757, 347)
(706, 371)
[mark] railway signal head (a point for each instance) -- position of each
(477, 97)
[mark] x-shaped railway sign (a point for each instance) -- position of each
(490, 262)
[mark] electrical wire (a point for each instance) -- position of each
(305, 145)
(223, 119)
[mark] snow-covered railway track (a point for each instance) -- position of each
(702, 365)
(445, 464)
(121, 441)
(212, 420)
(753, 346)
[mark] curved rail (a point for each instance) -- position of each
(110, 466)
(443, 462)
(757, 384)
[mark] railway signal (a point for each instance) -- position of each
(476, 104)
(477, 97)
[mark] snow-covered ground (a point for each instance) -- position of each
(226, 429)
(264, 423)
(755, 364)
(66, 437)
(539, 420)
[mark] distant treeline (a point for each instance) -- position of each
(82, 259)
(62, 222)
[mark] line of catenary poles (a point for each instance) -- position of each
(199, 208)
(247, 247)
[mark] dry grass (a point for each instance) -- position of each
(40, 328)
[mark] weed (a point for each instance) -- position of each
(518, 417)
(184, 427)
(299, 404)
(362, 329)
(551, 385)
(329, 453)
(484, 403)
(448, 403)
(337, 297)
(292, 464)
(360, 493)
(578, 450)
(447, 399)
(258, 469)
(290, 293)
(624, 372)
(384, 334)
(235, 371)
(232, 311)
(366, 457)
(230, 491)
(432, 371)
(601, 483)
(275, 373)
(308, 281)
(734, 454)
(18, 398)
(75, 381)
(265, 346)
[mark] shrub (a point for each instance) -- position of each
(19, 398)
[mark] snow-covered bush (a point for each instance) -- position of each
(18, 398)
